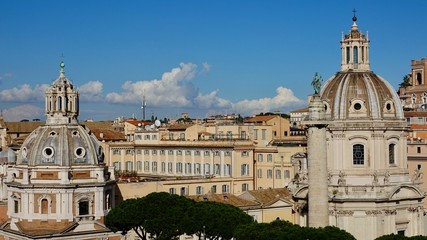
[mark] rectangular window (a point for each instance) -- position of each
(278, 174)
(245, 187)
(170, 152)
(206, 153)
(187, 153)
(179, 167)
(139, 152)
(245, 153)
(259, 173)
(129, 166)
(207, 169)
(269, 173)
(391, 153)
(116, 152)
(16, 206)
(269, 157)
(418, 149)
(154, 137)
(146, 166)
(139, 166)
(147, 152)
(170, 169)
(172, 190)
(197, 153)
(227, 153)
(245, 170)
(154, 152)
(163, 167)
(217, 169)
(116, 166)
(259, 157)
(227, 169)
(199, 190)
(197, 168)
(358, 154)
(255, 134)
(263, 134)
(225, 188)
(162, 152)
(419, 166)
(154, 167)
(179, 152)
(243, 135)
(213, 189)
(188, 168)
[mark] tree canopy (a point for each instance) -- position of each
(164, 216)
(283, 230)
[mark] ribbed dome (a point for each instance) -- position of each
(60, 146)
(360, 95)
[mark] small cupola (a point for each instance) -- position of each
(62, 101)
(355, 49)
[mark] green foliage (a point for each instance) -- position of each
(163, 216)
(283, 230)
(216, 220)
(406, 81)
(400, 237)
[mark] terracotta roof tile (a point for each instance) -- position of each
(258, 119)
(225, 198)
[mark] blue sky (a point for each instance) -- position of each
(200, 57)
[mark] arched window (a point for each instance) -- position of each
(44, 206)
(358, 154)
(419, 79)
(59, 103)
(355, 55)
(392, 153)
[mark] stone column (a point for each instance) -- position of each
(318, 214)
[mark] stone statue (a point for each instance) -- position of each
(386, 177)
(316, 83)
(341, 179)
(417, 175)
(375, 180)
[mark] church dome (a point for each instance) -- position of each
(355, 95)
(62, 141)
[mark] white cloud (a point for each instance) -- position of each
(91, 91)
(284, 99)
(174, 89)
(212, 100)
(26, 111)
(24, 93)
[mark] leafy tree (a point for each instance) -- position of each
(158, 214)
(126, 216)
(215, 220)
(283, 230)
(406, 81)
(400, 237)
(164, 214)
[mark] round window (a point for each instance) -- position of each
(48, 152)
(357, 106)
(80, 152)
(388, 106)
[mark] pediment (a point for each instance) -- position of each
(406, 192)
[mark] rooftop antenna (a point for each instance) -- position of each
(144, 105)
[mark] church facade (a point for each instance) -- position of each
(59, 187)
(358, 178)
